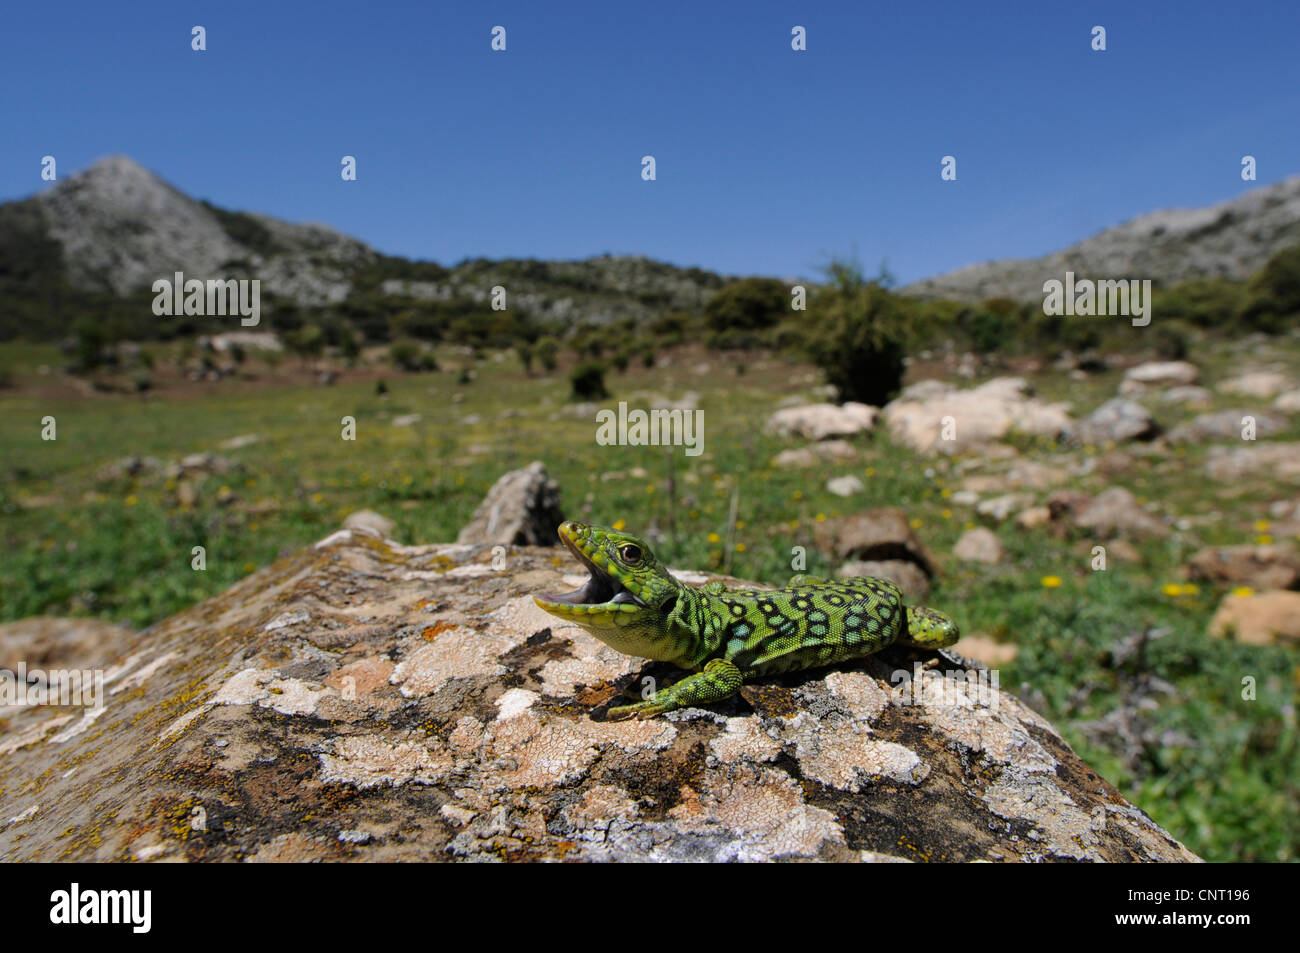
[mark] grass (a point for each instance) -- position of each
(1220, 772)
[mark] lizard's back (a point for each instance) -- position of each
(819, 623)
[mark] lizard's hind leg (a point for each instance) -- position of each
(928, 629)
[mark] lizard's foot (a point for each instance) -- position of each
(720, 679)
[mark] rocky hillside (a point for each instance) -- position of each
(1229, 240)
(116, 227)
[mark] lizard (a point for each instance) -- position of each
(724, 636)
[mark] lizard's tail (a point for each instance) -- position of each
(927, 629)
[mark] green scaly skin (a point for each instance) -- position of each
(725, 636)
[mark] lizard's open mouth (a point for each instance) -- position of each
(601, 589)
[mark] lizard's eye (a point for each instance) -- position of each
(631, 555)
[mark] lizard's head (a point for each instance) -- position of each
(628, 595)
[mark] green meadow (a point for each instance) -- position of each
(1220, 772)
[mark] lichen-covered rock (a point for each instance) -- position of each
(363, 700)
(522, 509)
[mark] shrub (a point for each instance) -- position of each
(749, 304)
(588, 381)
(409, 356)
(548, 350)
(1170, 342)
(1272, 299)
(858, 334)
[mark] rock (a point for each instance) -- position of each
(874, 535)
(822, 421)
(1190, 395)
(1271, 566)
(845, 486)
(964, 498)
(1000, 508)
(1022, 474)
(1225, 425)
(371, 522)
(1122, 550)
(406, 420)
(1034, 517)
(1288, 403)
(1159, 374)
(827, 451)
(979, 545)
(50, 642)
(1116, 421)
(1280, 461)
(1256, 384)
(986, 650)
(1116, 512)
(980, 415)
(480, 743)
(521, 509)
(1266, 618)
(238, 443)
(908, 576)
(129, 467)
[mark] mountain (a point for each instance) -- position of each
(1229, 240)
(111, 230)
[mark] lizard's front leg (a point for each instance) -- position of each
(720, 679)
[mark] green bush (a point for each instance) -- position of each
(548, 352)
(588, 381)
(1272, 299)
(409, 356)
(1171, 342)
(858, 334)
(749, 304)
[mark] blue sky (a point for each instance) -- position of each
(768, 160)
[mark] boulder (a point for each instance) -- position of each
(1280, 461)
(1225, 425)
(874, 535)
(827, 451)
(1159, 374)
(1269, 566)
(980, 415)
(521, 509)
(1257, 384)
(1265, 618)
(1116, 512)
(823, 421)
(908, 576)
(1116, 421)
(370, 522)
(845, 486)
(362, 700)
(979, 545)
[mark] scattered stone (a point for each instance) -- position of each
(874, 535)
(1266, 618)
(1034, 517)
(1256, 384)
(979, 545)
(1116, 512)
(964, 498)
(369, 521)
(129, 467)
(823, 421)
(1270, 566)
(981, 415)
(845, 486)
(238, 443)
(1288, 403)
(827, 451)
(1021, 475)
(1281, 461)
(1225, 425)
(1191, 396)
(1159, 374)
(1000, 508)
(521, 509)
(908, 576)
(406, 420)
(1116, 421)
(986, 650)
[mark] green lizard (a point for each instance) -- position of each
(633, 604)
